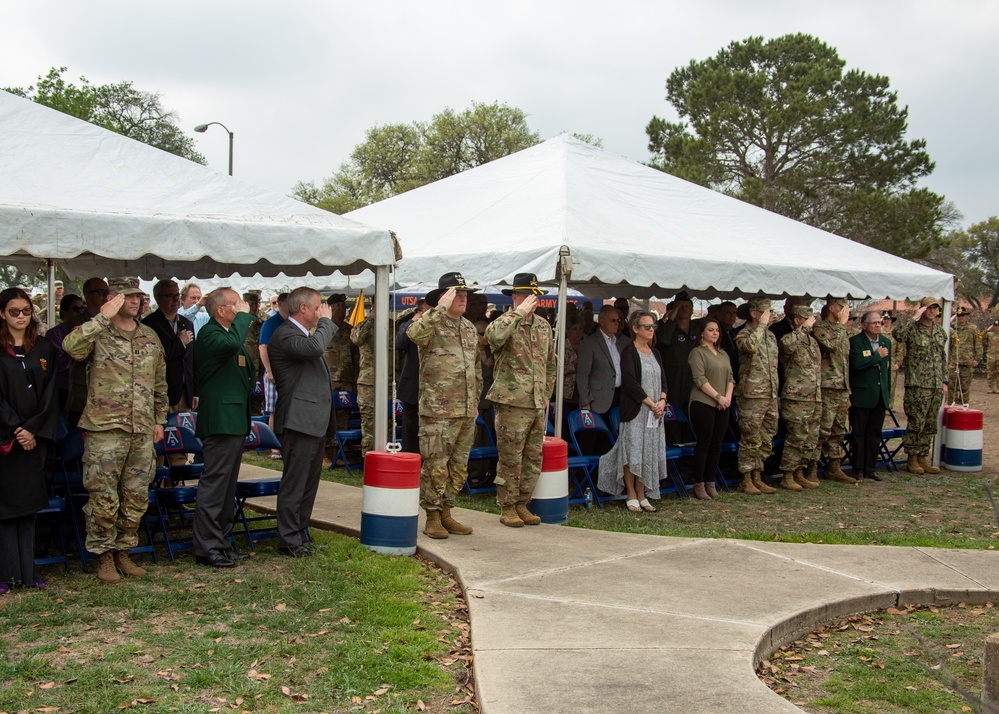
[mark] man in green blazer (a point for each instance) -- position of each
(224, 367)
(870, 388)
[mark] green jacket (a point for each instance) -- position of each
(226, 376)
(870, 373)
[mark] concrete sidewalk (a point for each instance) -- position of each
(574, 620)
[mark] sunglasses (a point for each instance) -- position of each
(23, 312)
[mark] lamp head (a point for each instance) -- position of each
(201, 128)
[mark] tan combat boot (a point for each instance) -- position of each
(928, 467)
(451, 525)
(800, 479)
(761, 485)
(748, 484)
(788, 482)
(913, 464)
(526, 516)
(813, 472)
(835, 473)
(434, 529)
(126, 566)
(105, 569)
(510, 518)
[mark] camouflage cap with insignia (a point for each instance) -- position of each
(125, 286)
(761, 304)
(830, 300)
(251, 295)
(802, 311)
(928, 301)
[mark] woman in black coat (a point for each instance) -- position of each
(28, 423)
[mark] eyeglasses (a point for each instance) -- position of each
(23, 312)
(646, 326)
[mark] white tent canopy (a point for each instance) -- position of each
(102, 204)
(627, 225)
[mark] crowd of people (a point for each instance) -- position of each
(115, 368)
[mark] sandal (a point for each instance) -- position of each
(646, 506)
(633, 506)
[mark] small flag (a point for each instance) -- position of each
(357, 314)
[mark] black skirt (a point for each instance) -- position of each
(24, 480)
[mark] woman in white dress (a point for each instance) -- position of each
(637, 462)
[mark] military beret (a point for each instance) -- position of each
(335, 298)
(760, 304)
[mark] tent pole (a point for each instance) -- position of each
(945, 319)
(381, 308)
(565, 268)
(52, 309)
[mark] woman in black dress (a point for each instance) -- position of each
(28, 423)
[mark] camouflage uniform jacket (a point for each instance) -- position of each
(363, 335)
(127, 377)
(965, 345)
(253, 345)
(341, 357)
(834, 340)
(992, 342)
(758, 357)
(524, 369)
(897, 349)
(802, 360)
(926, 354)
(450, 368)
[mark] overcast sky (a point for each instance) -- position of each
(299, 83)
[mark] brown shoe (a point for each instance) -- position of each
(510, 518)
(451, 525)
(928, 467)
(913, 465)
(835, 473)
(748, 485)
(433, 528)
(788, 482)
(761, 485)
(126, 566)
(800, 479)
(106, 572)
(711, 489)
(700, 493)
(526, 516)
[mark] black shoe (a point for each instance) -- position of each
(215, 560)
(872, 476)
(235, 554)
(295, 551)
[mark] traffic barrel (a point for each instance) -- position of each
(390, 502)
(551, 495)
(962, 439)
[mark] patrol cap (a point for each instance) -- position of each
(837, 301)
(927, 301)
(802, 311)
(125, 286)
(336, 298)
(962, 311)
(251, 295)
(760, 304)
(58, 284)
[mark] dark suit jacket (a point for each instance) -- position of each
(408, 389)
(302, 378)
(227, 376)
(870, 374)
(180, 373)
(595, 371)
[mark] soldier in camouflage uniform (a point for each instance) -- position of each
(124, 415)
(450, 385)
(523, 378)
(965, 355)
(756, 396)
(992, 356)
(341, 355)
(363, 335)
(925, 382)
(801, 401)
(832, 335)
(252, 298)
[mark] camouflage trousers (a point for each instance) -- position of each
(444, 447)
(891, 390)
(366, 405)
(959, 379)
(992, 369)
(832, 428)
(922, 406)
(801, 445)
(520, 437)
(117, 469)
(757, 426)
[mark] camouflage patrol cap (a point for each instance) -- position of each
(125, 286)
(802, 311)
(251, 295)
(760, 304)
(927, 301)
(830, 300)
(962, 311)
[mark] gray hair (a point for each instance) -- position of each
(186, 289)
(215, 300)
(867, 314)
(299, 297)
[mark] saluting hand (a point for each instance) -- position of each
(112, 306)
(809, 323)
(447, 298)
(527, 307)
(242, 306)
(324, 310)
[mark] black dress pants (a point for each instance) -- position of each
(866, 425)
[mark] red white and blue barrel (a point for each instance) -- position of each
(390, 502)
(551, 495)
(962, 439)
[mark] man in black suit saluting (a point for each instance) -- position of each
(303, 412)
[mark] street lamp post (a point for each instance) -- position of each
(202, 128)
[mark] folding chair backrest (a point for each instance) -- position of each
(675, 415)
(344, 401)
(261, 436)
(188, 420)
(178, 440)
(258, 389)
(584, 421)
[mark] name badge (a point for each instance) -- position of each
(241, 360)
(867, 353)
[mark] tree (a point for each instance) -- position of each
(977, 270)
(779, 124)
(394, 158)
(119, 107)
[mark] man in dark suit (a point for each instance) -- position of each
(176, 334)
(870, 387)
(303, 413)
(408, 389)
(225, 369)
(598, 369)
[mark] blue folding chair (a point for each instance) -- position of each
(887, 451)
(172, 499)
(260, 437)
(344, 401)
(583, 467)
(678, 451)
(188, 420)
(487, 453)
